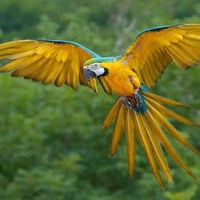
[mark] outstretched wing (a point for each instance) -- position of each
(47, 61)
(155, 48)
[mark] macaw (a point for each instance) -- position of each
(137, 112)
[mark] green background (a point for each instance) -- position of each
(52, 143)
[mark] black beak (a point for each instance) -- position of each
(88, 74)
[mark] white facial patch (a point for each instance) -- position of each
(96, 68)
(93, 70)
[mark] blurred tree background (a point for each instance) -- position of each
(52, 143)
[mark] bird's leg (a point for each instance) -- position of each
(137, 98)
(136, 102)
(127, 102)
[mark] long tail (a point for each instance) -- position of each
(148, 127)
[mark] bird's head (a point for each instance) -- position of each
(94, 70)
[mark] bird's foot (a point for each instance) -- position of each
(137, 98)
(136, 102)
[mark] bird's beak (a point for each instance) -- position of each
(88, 73)
(93, 71)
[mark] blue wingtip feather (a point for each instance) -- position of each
(92, 53)
(157, 28)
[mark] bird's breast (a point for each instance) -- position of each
(122, 80)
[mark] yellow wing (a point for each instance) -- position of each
(47, 61)
(155, 48)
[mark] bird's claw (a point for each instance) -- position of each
(136, 102)
(137, 98)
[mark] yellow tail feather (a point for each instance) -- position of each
(148, 128)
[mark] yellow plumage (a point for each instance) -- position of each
(140, 114)
(46, 62)
(151, 52)
(147, 128)
(117, 78)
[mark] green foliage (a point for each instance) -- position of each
(52, 143)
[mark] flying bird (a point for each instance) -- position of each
(138, 113)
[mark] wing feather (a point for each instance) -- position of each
(47, 61)
(61, 77)
(155, 48)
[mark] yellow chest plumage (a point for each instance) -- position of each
(121, 78)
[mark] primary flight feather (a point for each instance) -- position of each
(141, 114)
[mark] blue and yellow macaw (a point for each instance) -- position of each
(141, 114)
